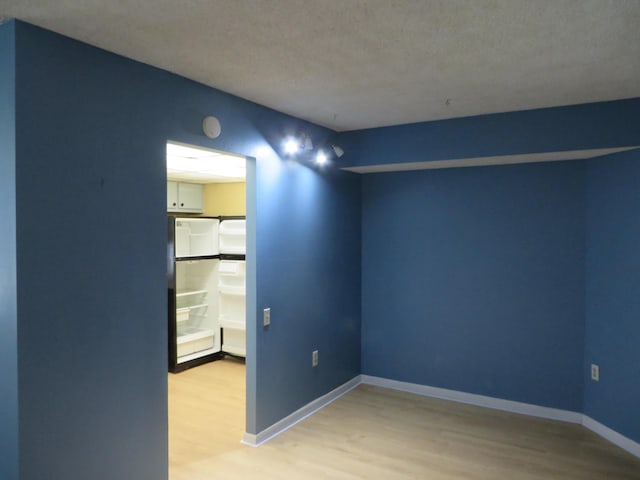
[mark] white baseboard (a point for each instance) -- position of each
(510, 406)
(478, 400)
(614, 437)
(568, 416)
(255, 440)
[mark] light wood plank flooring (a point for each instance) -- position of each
(374, 433)
(206, 413)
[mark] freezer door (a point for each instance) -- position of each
(233, 237)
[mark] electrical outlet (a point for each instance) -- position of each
(266, 317)
(595, 372)
(314, 358)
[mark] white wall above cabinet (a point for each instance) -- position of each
(185, 197)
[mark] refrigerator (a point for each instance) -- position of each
(206, 289)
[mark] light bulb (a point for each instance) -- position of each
(291, 146)
(321, 158)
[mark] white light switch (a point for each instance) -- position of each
(266, 317)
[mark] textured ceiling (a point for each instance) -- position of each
(351, 64)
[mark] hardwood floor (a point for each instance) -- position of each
(374, 433)
(206, 414)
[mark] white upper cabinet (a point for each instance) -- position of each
(172, 196)
(185, 197)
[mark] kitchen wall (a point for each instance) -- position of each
(91, 308)
(225, 199)
(613, 292)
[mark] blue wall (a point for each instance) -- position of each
(460, 201)
(613, 292)
(473, 280)
(312, 285)
(8, 279)
(591, 125)
(493, 266)
(91, 135)
(91, 263)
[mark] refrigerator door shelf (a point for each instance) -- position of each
(233, 227)
(232, 324)
(232, 268)
(232, 250)
(232, 274)
(232, 237)
(234, 342)
(237, 350)
(231, 290)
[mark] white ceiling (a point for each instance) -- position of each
(202, 165)
(352, 64)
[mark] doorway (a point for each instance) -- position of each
(206, 202)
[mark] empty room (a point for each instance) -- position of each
(320, 239)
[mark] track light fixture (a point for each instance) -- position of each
(302, 144)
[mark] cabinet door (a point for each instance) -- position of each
(190, 198)
(172, 196)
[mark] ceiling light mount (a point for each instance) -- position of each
(337, 150)
(307, 144)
